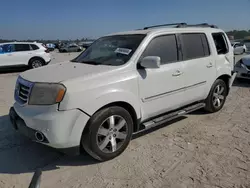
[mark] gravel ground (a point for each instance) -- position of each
(198, 150)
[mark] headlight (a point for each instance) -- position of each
(46, 94)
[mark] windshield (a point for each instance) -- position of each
(111, 50)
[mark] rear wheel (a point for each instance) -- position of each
(109, 133)
(36, 62)
(217, 96)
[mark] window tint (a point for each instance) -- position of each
(34, 47)
(220, 43)
(195, 45)
(22, 47)
(6, 48)
(205, 44)
(165, 47)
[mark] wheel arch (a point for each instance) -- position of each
(122, 104)
(226, 79)
(36, 57)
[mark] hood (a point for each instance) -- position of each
(64, 71)
(246, 60)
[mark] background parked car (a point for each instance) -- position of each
(239, 48)
(243, 68)
(71, 48)
(85, 44)
(23, 54)
(50, 46)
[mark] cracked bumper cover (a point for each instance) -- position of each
(62, 129)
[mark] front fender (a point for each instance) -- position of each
(111, 97)
(92, 102)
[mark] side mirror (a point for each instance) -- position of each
(151, 62)
(36, 179)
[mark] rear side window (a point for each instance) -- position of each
(22, 47)
(194, 45)
(220, 43)
(34, 47)
(6, 48)
(163, 46)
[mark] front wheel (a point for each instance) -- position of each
(217, 96)
(109, 133)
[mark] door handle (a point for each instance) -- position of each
(177, 73)
(209, 65)
(9, 54)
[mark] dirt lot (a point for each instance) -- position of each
(199, 150)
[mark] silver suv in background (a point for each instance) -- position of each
(71, 48)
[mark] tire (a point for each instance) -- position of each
(108, 134)
(36, 62)
(217, 96)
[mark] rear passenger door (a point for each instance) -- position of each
(199, 66)
(22, 53)
(161, 89)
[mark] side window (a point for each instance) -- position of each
(220, 43)
(194, 45)
(205, 44)
(163, 46)
(34, 47)
(237, 45)
(22, 47)
(6, 48)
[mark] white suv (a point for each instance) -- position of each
(17, 54)
(122, 84)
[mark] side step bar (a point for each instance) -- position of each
(168, 117)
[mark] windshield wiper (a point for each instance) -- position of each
(91, 62)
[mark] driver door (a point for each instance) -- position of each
(161, 89)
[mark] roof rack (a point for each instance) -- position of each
(182, 25)
(163, 25)
(197, 25)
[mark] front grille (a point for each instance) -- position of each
(22, 91)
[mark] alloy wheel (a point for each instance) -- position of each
(112, 134)
(218, 96)
(36, 64)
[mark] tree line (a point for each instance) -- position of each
(237, 34)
